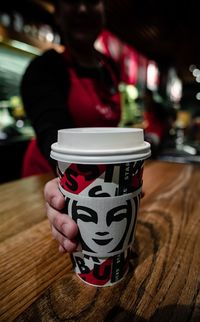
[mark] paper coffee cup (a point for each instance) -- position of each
(100, 171)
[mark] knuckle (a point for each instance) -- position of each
(57, 221)
(46, 190)
(58, 236)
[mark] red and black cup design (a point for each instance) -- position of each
(103, 180)
(101, 271)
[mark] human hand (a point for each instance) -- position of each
(64, 229)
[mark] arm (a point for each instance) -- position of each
(44, 90)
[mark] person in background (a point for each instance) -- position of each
(156, 121)
(76, 88)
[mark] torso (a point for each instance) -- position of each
(93, 98)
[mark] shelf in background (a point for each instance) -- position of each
(25, 43)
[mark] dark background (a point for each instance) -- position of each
(166, 31)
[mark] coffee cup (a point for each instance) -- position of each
(100, 175)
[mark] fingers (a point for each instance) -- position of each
(65, 244)
(64, 229)
(61, 249)
(53, 196)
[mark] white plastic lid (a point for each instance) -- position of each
(102, 145)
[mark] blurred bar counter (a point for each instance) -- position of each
(179, 156)
(13, 145)
(180, 150)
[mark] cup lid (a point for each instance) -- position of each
(100, 145)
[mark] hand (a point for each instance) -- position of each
(64, 229)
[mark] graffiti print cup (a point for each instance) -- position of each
(100, 171)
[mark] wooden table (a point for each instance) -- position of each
(163, 284)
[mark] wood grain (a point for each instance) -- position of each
(22, 205)
(163, 283)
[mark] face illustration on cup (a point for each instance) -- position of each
(112, 220)
(106, 225)
(100, 175)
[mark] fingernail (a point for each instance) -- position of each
(65, 229)
(79, 248)
(66, 244)
(54, 202)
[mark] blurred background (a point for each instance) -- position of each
(156, 45)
